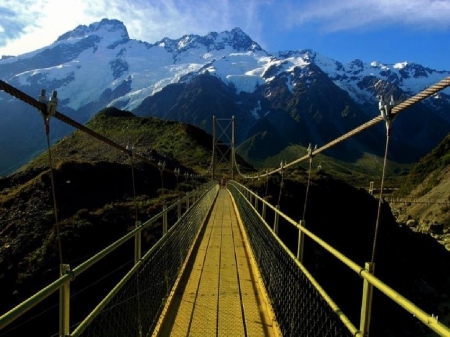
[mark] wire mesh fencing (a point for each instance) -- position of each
(134, 306)
(299, 308)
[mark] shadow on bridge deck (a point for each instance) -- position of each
(219, 293)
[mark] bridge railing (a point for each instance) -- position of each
(302, 307)
(126, 310)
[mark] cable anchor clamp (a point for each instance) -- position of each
(50, 104)
(385, 108)
(130, 149)
(310, 151)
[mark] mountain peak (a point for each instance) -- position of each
(235, 39)
(357, 63)
(105, 25)
(240, 40)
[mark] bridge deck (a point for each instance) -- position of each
(218, 296)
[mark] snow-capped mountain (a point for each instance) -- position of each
(84, 63)
(99, 65)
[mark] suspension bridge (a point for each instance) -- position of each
(219, 267)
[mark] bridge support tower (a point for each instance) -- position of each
(223, 145)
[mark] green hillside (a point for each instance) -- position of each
(180, 143)
(427, 190)
(94, 195)
(368, 167)
(429, 167)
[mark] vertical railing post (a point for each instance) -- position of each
(301, 241)
(276, 220)
(371, 188)
(263, 212)
(179, 209)
(187, 201)
(256, 203)
(165, 220)
(366, 305)
(64, 303)
(137, 243)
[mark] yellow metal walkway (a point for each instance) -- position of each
(219, 294)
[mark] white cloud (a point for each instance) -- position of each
(37, 23)
(149, 21)
(42, 21)
(330, 15)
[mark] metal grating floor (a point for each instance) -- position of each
(219, 297)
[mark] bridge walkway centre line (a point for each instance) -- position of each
(219, 293)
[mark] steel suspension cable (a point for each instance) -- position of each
(281, 185)
(52, 179)
(430, 91)
(22, 96)
(417, 98)
(267, 186)
(134, 187)
(380, 200)
(42, 107)
(307, 187)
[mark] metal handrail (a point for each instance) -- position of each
(83, 325)
(41, 295)
(429, 320)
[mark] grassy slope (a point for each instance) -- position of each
(94, 196)
(151, 137)
(367, 168)
(428, 181)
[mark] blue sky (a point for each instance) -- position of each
(388, 31)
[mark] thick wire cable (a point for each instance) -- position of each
(55, 208)
(267, 186)
(430, 91)
(380, 201)
(134, 188)
(67, 120)
(444, 83)
(136, 222)
(281, 188)
(307, 188)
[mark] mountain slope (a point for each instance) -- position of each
(413, 264)
(96, 204)
(194, 77)
(428, 184)
(196, 102)
(151, 137)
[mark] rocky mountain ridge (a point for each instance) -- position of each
(98, 65)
